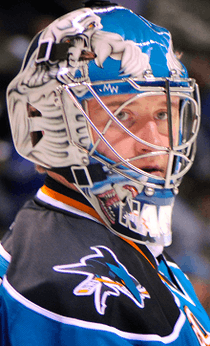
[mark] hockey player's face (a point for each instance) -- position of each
(146, 118)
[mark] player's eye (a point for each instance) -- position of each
(122, 116)
(162, 116)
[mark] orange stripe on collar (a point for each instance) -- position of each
(71, 202)
(135, 246)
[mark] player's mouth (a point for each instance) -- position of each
(154, 170)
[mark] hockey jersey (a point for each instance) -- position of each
(68, 280)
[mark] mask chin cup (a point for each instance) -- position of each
(132, 210)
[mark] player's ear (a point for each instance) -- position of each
(40, 169)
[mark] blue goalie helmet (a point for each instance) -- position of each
(102, 99)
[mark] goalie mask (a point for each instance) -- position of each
(102, 100)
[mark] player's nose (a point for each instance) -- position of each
(150, 134)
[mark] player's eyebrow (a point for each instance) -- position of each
(114, 103)
(118, 103)
(109, 104)
(173, 103)
(136, 102)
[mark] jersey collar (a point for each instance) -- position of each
(58, 196)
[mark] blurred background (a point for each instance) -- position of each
(189, 23)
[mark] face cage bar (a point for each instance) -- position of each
(183, 92)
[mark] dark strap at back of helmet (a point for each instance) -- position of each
(95, 3)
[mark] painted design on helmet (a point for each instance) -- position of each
(91, 53)
(71, 42)
(112, 198)
(64, 50)
(66, 45)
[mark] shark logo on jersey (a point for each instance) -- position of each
(106, 276)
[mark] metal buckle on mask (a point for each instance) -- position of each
(81, 176)
(52, 52)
